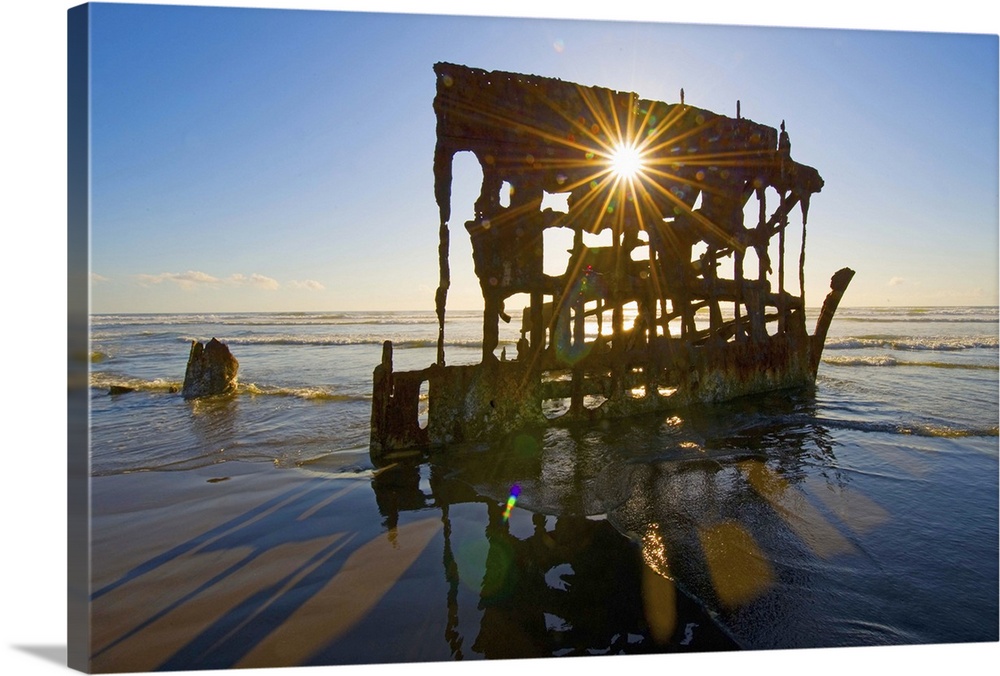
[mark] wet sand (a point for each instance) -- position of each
(183, 560)
(243, 565)
(789, 536)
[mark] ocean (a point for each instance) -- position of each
(860, 512)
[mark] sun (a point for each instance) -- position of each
(625, 161)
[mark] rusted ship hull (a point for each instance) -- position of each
(494, 398)
(652, 237)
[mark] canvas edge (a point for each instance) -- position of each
(78, 361)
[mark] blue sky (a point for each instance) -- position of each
(248, 159)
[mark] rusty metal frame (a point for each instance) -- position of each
(671, 224)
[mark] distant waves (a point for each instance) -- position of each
(889, 360)
(935, 343)
(291, 339)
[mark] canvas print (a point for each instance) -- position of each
(416, 338)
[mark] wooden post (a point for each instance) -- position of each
(781, 271)
(617, 314)
(738, 281)
(491, 325)
(712, 277)
(381, 395)
(762, 258)
(538, 327)
(802, 253)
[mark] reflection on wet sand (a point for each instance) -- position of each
(853, 508)
(807, 522)
(562, 584)
(652, 536)
(739, 570)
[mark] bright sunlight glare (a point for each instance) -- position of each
(626, 161)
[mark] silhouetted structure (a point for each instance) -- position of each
(642, 320)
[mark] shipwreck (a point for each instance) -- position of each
(674, 289)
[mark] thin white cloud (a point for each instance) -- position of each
(186, 280)
(192, 278)
(257, 280)
(96, 278)
(195, 277)
(263, 282)
(896, 281)
(310, 284)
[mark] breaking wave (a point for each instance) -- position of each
(958, 314)
(107, 381)
(923, 319)
(939, 344)
(116, 384)
(314, 393)
(914, 429)
(888, 360)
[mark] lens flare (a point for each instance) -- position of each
(515, 491)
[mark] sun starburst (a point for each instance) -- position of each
(626, 161)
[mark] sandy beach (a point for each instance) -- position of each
(239, 565)
(189, 557)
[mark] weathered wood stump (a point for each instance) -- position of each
(211, 370)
